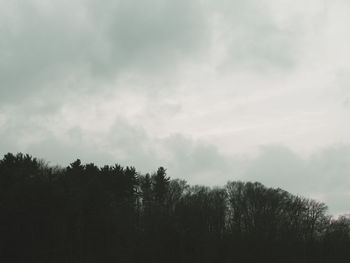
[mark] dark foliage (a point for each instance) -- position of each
(85, 213)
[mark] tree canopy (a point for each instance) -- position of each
(86, 213)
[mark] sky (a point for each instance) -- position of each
(214, 91)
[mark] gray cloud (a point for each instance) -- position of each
(324, 175)
(279, 166)
(195, 86)
(51, 149)
(196, 161)
(69, 46)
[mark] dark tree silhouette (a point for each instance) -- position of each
(160, 185)
(85, 213)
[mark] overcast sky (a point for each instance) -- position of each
(212, 90)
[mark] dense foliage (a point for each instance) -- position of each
(85, 213)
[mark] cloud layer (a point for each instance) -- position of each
(213, 90)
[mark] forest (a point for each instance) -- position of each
(85, 213)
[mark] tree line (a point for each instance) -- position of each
(85, 213)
